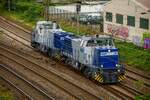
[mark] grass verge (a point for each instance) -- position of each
(143, 97)
(134, 56)
(5, 94)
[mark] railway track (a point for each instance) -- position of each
(39, 81)
(136, 72)
(22, 85)
(51, 76)
(14, 30)
(129, 89)
(113, 89)
(132, 75)
(15, 25)
(19, 93)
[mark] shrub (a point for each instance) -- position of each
(143, 97)
(33, 13)
(22, 6)
(146, 35)
(29, 11)
(2, 4)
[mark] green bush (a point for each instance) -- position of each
(22, 6)
(2, 4)
(29, 11)
(33, 13)
(146, 35)
(143, 97)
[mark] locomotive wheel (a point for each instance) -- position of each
(33, 44)
(82, 68)
(42, 48)
(78, 65)
(49, 53)
(87, 72)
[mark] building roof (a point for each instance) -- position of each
(145, 3)
(142, 3)
(39, 1)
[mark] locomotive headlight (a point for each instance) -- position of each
(118, 70)
(102, 66)
(118, 66)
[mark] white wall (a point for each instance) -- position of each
(84, 8)
(126, 7)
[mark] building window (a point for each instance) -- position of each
(109, 16)
(130, 20)
(119, 18)
(144, 23)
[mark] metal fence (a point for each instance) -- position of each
(70, 16)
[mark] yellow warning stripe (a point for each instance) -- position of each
(122, 77)
(58, 57)
(97, 77)
(100, 79)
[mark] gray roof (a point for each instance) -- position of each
(40, 1)
(145, 3)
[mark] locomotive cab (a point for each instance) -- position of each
(102, 56)
(44, 26)
(42, 33)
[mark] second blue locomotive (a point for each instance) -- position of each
(96, 57)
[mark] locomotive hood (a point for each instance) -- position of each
(106, 58)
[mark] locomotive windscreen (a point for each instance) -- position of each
(100, 42)
(50, 26)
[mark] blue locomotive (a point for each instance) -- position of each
(96, 57)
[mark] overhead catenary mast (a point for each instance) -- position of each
(78, 9)
(46, 9)
(9, 5)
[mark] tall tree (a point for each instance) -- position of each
(2, 4)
